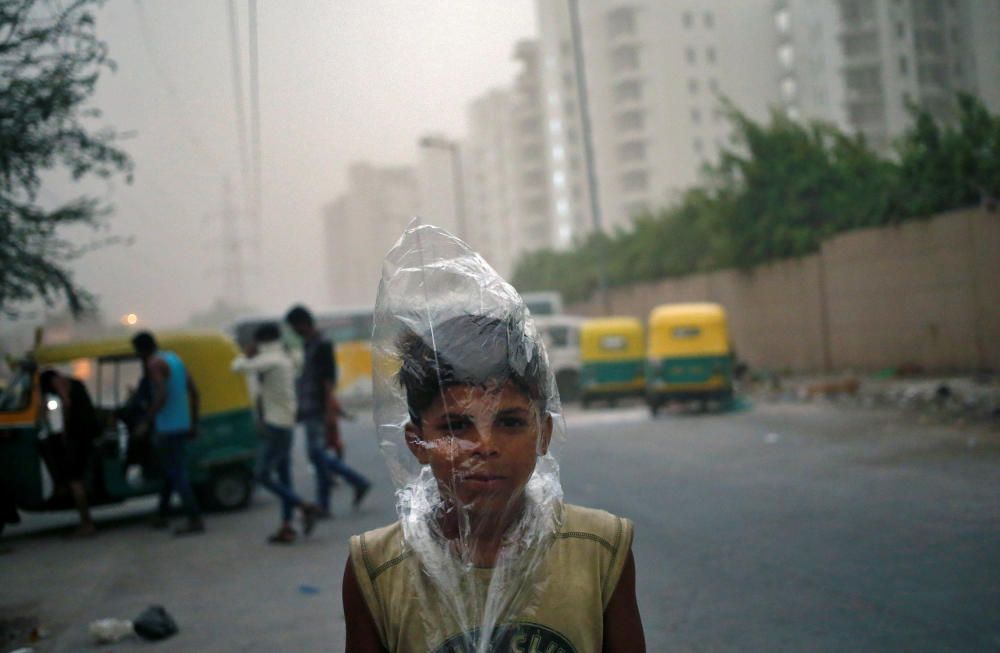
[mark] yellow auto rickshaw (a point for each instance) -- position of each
(220, 459)
(688, 355)
(611, 359)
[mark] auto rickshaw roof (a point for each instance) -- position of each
(700, 311)
(616, 323)
(121, 346)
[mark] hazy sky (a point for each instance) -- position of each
(340, 81)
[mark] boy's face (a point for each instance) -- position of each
(481, 443)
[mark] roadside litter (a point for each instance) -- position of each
(154, 623)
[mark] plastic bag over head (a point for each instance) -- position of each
(468, 417)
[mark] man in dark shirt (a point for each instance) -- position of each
(72, 448)
(316, 408)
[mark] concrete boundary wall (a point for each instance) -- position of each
(926, 292)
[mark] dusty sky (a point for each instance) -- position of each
(341, 80)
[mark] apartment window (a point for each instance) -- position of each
(635, 181)
(696, 116)
(689, 53)
(531, 152)
(621, 22)
(710, 54)
(630, 121)
(632, 151)
(625, 58)
(628, 91)
(559, 179)
(688, 20)
(786, 55)
(567, 79)
(569, 107)
(788, 88)
(555, 125)
(713, 85)
(697, 145)
(900, 30)
(565, 48)
(783, 20)
(693, 86)
(558, 153)
(904, 66)
(708, 19)
(529, 125)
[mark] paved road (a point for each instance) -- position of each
(782, 528)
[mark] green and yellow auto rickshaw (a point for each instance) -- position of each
(688, 355)
(220, 459)
(611, 359)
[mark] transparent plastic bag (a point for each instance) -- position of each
(468, 418)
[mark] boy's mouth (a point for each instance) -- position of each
(482, 479)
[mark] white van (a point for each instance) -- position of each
(561, 334)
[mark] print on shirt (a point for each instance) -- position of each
(521, 637)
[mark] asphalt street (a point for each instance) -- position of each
(784, 527)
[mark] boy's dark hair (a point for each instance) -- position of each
(267, 332)
(299, 315)
(144, 343)
(469, 350)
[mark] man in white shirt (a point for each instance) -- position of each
(274, 370)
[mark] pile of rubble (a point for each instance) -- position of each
(972, 398)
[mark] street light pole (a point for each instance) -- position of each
(458, 180)
(588, 153)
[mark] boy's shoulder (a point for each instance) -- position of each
(595, 524)
(379, 549)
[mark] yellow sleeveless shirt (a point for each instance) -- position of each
(574, 583)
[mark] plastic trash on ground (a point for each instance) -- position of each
(155, 623)
(108, 631)
(455, 341)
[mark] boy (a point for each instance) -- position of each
(488, 573)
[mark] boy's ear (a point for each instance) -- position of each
(415, 441)
(545, 437)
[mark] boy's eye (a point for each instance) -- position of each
(455, 424)
(512, 422)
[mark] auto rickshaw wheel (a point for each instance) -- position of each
(229, 488)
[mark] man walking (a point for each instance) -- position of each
(172, 420)
(274, 370)
(314, 390)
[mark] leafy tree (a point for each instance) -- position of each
(943, 166)
(780, 190)
(50, 61)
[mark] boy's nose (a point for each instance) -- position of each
(485, 443)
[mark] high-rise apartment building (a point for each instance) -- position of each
(655, 71)
(360, 227)
(898, 52)
(809, 61)
(488, 183)
(508, 201)
(563, 127)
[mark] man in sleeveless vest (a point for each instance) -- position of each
(172, 420)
